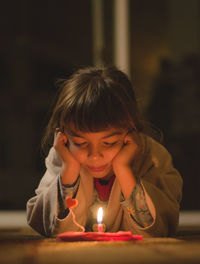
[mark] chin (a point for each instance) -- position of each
(97, 175)
(101, 174)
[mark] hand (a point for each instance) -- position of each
(126, 155)
(70, 166)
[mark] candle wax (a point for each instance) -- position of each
(98, 236)
(100, 227)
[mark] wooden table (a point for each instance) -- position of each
(21, 245)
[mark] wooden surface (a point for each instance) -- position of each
(23, 245)
(19, 244)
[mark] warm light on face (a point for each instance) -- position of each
(95, 150)
(100, 215)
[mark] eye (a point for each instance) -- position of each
(80, 144)
(110, 144)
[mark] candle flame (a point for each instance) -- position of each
(100, 215)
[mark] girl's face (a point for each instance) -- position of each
(96, 150)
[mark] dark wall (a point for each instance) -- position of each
(40, 42)
(45, 40)
(165, 59)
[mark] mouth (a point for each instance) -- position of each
(97, 169)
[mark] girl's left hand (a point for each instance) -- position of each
(127, 153)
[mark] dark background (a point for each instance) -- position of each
(45, 40)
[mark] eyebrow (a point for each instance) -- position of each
(113, 134)
(74, 134)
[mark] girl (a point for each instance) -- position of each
(102, 157)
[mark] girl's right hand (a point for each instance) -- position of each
(70, 166)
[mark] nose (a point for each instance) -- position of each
(95, 152)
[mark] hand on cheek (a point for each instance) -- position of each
(59, 144)
(70, 166)
(126, 155)
(60, 141)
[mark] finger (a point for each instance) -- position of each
(62, 138)
(56, 131)
(56, 134)
(128, 138)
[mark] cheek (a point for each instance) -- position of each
(111, 153)
(78, 153)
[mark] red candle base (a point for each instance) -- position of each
(97, 236)
(100, 227)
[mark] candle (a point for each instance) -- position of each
(98, 234)
(100, 220)
(98, 228)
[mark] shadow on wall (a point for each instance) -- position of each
(175, 109)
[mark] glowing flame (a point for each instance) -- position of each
(100, 215)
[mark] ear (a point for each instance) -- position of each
(64, 138)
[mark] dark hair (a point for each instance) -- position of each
(94, 99)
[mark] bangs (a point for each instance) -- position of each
(94, 100)
(95, 110)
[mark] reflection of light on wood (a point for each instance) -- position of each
(98, 32)
(122, 38)
(100, 219)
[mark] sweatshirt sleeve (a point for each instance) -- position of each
(44, 208)
(63, 192)
(137, 206)
(162, 186)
